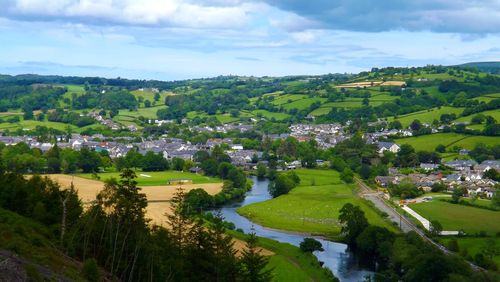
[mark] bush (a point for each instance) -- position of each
(309, 245)
(90, 271)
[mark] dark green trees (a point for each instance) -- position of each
(353, 222)
(283, 183)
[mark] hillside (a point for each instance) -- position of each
(491, 67)
(27, 252)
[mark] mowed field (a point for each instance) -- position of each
(475, 246)
(312, 207)
(459, 217)
(430, 142)
(158, 196)
(427, 116)
(156, 178)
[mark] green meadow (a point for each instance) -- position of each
(156, 178)
(427, 116)
(430, 142)
(459, 217)
(312, 207)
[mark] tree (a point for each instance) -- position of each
(157, 97)
(253, 263)
(261, 170)
(458, 192)
(283, 183)
(436, 228)
(347, 175)
(88, 160)
(416, 125)
(406, 157)
(492, 174)
(90, 270)
(147, 103)
(353, 222)
(440, 148)
(309, 245)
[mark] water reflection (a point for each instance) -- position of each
(336, 256)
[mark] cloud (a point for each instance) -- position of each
(158, 13)
(456, 16)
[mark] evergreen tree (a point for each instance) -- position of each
(253, 263)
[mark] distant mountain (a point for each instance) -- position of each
(491, 67)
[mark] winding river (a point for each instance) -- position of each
(336, 257)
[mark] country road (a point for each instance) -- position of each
(405, 224)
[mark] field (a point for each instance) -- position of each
(494, 113)
(427, 116)
(303, 103)
(270, 115)
(430, 142)
(474, 246)
(156, 178)
(158, 196)
(459, 217)
(289, 263)
(312, 207)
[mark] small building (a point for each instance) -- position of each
(179, 181)
(387, 146)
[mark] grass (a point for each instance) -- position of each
(430, 142)
(459, 217)
(157, 178)
(35, 243)
(271, 115)
(312, 207)
(289, 263)
(303, 103)
(471, 141)
(475, 246)
(288, 98)
(494, 113)
(427, 116)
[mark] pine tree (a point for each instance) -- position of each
(253, 263)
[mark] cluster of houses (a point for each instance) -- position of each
(466, 173)
(109, 123)
(326, 135)
(224, 128)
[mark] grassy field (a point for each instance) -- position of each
(471, 141)
(312, 207)
(156, 178)
(288, 98)
(494, 113)
(430, 142)
(270, 115)
(459, 217)
(427, 116)
(289, 263)
(474, 246)
(303, 103)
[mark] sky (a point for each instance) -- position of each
(182, 39)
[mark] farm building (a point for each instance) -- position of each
(179, 181)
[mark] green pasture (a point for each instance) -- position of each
(430, 142)
(312, 207)
(270, 115)
(303, 103)
(456, 217)
(156, 178)
(427, 116)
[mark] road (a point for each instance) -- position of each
(404, 224)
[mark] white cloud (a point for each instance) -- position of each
(177, 13)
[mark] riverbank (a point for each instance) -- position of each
(289, 263)
(313, 207)
(336, 256)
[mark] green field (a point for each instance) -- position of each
(289, 263)
(156, 178)
(288, 98)
(430, 142)
(303, 103)
(149, 113)
(459, 217)
(471, 141)
(427, 116)
(312, 207)
(270, 115)
(494, 113)
(474, 246)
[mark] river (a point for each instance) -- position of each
(336, 257)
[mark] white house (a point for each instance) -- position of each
(387, 146)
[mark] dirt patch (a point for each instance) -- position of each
(240, 245)
(366, 84)
(11, 114)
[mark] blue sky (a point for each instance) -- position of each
(178, 39)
